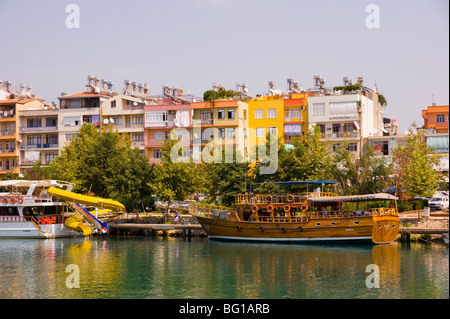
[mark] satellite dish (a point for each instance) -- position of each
(135, 103)
(112, 121)
(105, 121)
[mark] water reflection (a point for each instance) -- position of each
(198, 268)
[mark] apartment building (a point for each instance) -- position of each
(38, 127)
(125, 112)
(436, 117)
(223, 123)
(283, 114)
(160, 121)
(351, 116)
(13, 102)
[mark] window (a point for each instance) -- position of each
(336, 128)
(259, 131)
(336, 147)
(49, 156)
(221, 114)
(245, 115)
(352, 147)
(231, 132)
(440, 118)
(293, 114)
(205, 115)
(231, 114)
(221, 132)
(34, 122)
(34, 140)
(113, 103)
(271, 113)
(318, 109)
(72, 120)
(51, 121)
(155, 118)
(137, 119)
(159, 136)
(157, 154)
(259, 114)
(137, 137)
(272, 131)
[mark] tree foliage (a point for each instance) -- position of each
(414, 164)
(106, 165)
(212, 95)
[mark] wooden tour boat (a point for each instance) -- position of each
(303, 217)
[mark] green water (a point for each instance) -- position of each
(175, 268)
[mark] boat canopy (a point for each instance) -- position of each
(39, 183)
(298, 183)
(354, 198)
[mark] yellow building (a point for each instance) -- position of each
(283, 116)
(224, 121)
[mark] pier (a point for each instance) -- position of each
(152, 229)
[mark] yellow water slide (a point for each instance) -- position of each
(74, 222)
(98, 202)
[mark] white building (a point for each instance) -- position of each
(352, 116)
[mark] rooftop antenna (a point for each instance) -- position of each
(433, 103)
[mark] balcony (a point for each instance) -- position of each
(25, 129)
(340, 135)
(40, 145)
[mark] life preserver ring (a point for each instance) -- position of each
(254, 209)
(304, 208)
(269, 198)
(20, 200)
(12, 200)
(290, 198)
(261, 229)
(5, 200)
(287, 208)
(300, 228)
(270, 208)
(238, 228)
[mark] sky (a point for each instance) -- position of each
(191, 44)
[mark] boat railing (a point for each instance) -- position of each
(278, 199)
(212, 211)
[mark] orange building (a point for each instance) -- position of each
(436, 117)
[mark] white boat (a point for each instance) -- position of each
(28, 210)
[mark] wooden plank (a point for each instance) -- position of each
(416, 230)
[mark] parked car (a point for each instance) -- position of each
(440, 203)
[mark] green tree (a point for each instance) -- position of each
(359, 175)
(414, 164)
(106, 165)
(226, 179)
(174, 180)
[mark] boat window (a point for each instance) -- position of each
(11, 211)
(356, 223)
(333, 224)
(318, 224)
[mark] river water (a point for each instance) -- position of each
(173, 268)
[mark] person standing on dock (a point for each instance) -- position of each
(176, 217)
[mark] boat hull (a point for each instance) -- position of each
(357, 229)
(28, 229)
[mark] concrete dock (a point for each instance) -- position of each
(152, 229)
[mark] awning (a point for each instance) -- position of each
(354, 198)
(293, 129)
(320, 182)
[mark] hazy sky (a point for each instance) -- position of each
(194, 43)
